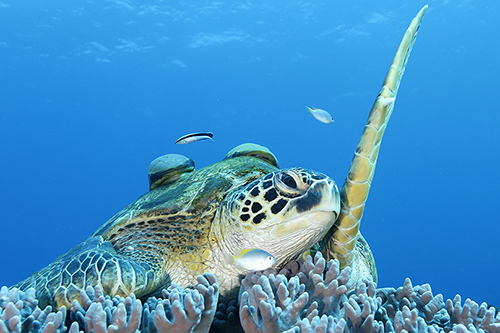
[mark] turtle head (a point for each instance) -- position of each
(284, 213)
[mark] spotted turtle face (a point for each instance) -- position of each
(283, 213)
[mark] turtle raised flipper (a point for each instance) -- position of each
(344, 241)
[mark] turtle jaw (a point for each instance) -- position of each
(308, 228)
(319, 222)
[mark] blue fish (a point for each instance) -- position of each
(321, 115)
(252, 259)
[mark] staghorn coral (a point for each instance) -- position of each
(309, 295)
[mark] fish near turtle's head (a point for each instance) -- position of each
(284, 213)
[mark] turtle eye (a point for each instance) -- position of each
(288, 180)
(289, 183)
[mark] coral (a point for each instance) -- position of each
(325, 324)
(418, 298)
(267, 309)
(180, 310)
(472, 316)
(318, 301)
(324, 282)
(19, 312)
(101, 314)
(275, 303)
(309, 295)
(183, 310)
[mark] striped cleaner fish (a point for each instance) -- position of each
(193, 137)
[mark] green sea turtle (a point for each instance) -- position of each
(190, 218)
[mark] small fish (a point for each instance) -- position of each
(387, 100)
(193, 137)
(252, 259)
(321, 115)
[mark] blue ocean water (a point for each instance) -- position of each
(92, 91)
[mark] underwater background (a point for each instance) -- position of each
(92, 91)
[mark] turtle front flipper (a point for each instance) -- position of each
(344, 241)
(93, 262)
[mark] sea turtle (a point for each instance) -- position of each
(186, 227)
(190, 218)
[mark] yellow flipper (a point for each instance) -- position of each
(340, 242)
